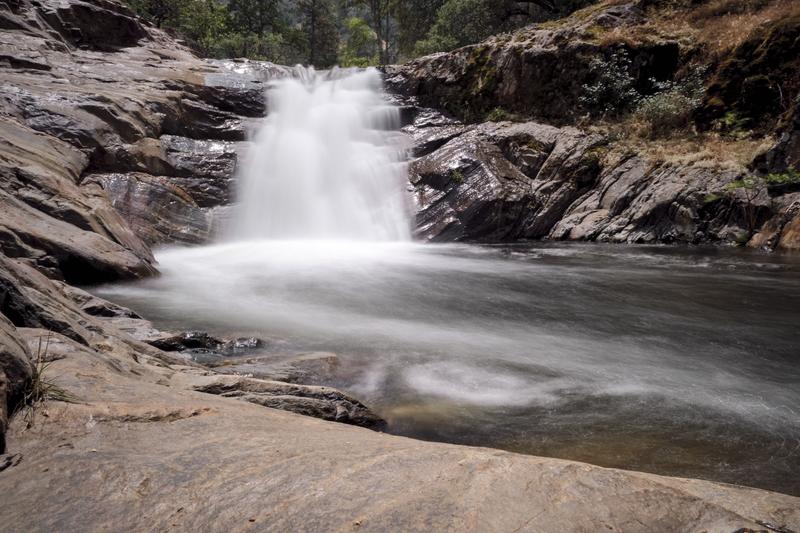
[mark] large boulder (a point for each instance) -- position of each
(50, 221)
(98, 24)
(205, 169)
(319, 402)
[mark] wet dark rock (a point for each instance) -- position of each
(204, 169)
(508, 181)
(99, 24)
(199, 120)
(502, 181)
(204, 348)
(189, 340)
(242, 345)
(239, 85)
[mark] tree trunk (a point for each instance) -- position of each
(312, 44)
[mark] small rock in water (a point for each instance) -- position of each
(188, 340)
(242, 344)
(204, 348)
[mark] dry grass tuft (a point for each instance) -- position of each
(722, 25)
(43, 389)
(685, 147)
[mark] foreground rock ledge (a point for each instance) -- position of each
(137, 453)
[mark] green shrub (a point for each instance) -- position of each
(672, 106)
(273, 47)
(498, 114)
(612, 90)
(360, 49)
(790, 177)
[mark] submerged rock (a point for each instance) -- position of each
(308, 368)
(195, 342)
(319, 402)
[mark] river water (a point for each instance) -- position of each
(680, 361)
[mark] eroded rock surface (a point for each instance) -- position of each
(155, 208)
(319, 402)
(508, 181)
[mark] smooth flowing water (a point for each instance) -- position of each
(678, 361)
(682, 361)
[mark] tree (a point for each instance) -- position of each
(414, 20)
(162, 13)
(322, 35)
(380, 18)
(255, 16)
(202, 22)
(463, 22)
(361, 47)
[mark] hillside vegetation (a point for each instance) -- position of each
(344, 32)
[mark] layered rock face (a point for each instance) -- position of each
(509, 181)
(538, 72)
(100, 110)
(479, 180)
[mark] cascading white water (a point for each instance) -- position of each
(327, 163)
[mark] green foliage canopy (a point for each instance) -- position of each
(348, 32)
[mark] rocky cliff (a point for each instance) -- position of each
(115, 138)
(567, 168)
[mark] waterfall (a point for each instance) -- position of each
(326, 164)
